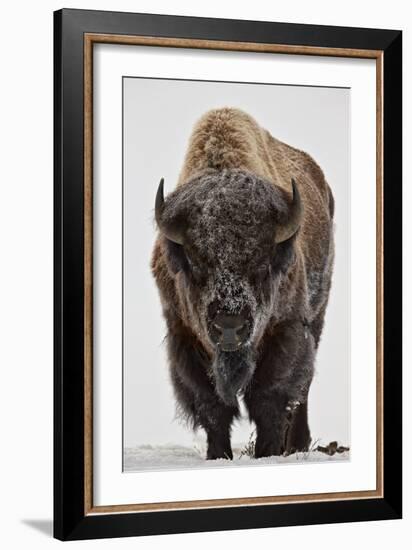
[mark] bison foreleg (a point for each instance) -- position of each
(297, 438)
(267, 409)
(196, 394)
(277, 395)
(281, 425)
(216, 419)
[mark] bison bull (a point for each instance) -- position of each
(243, 263)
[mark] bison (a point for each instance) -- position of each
(243, 263)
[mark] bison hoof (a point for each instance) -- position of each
(213, 454)
(267, 449)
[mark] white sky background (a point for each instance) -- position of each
(158, 119)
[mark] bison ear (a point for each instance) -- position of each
(287, 229)
(171, 231)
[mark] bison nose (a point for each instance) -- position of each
(229, 331)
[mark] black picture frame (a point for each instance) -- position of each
(71, 522)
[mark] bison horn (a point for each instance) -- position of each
(170, 232)
(292, 224)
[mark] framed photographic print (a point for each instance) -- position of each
(227, 274)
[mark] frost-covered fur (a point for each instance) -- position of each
(233, 192)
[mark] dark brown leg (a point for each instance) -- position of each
(283, 374)
(298, 434)
(197, 398)
(216, 419)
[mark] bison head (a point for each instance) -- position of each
(229, 237)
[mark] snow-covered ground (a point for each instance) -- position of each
(176, 457)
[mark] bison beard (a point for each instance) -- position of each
(232, 370)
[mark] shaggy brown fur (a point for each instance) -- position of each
(234, 172)
(231, 139)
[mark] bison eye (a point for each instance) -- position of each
(197, 272)
(262, 271)
(177, 259)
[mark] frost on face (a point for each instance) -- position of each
(233, 293)
(230, 219)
